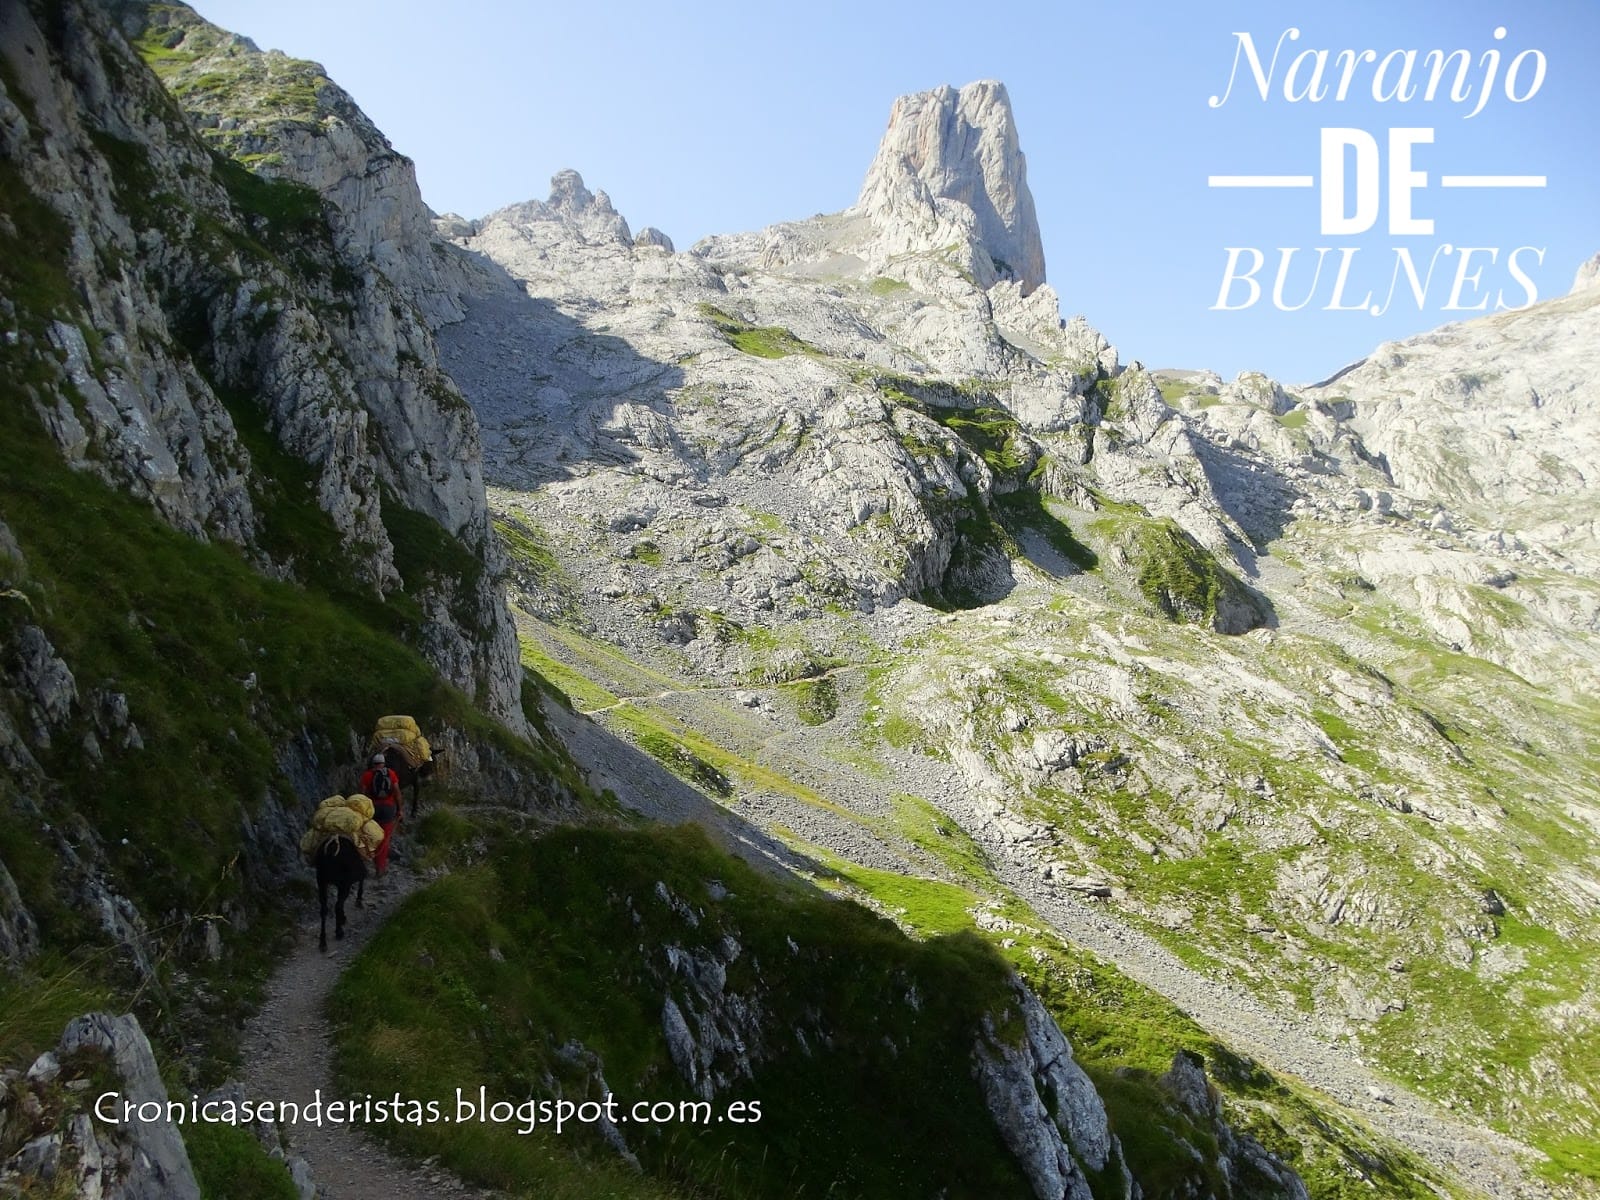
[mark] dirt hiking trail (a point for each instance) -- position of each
(288, 1056)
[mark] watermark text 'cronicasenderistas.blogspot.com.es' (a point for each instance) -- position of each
(466, 1107)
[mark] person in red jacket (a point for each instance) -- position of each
(381, 785)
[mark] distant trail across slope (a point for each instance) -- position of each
(716, 687)
(1479, 1156)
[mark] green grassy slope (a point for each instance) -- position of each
(861, 1037)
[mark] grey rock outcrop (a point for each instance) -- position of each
(19, 932)
(40, 675)
(651, 236)
(621, 376)
(1258, 391)
(1491, 419)
(587, 214)
(453, 225)
(715, 1035)
(1248, 1168)
(1588, 276)
(157, 1163)
(950, 164)
(135, 1159)
(287, 118)
(1054, 1144)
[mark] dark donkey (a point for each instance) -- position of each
(339, 864)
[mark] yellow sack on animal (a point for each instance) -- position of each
(334, 819)
(412, 747)
(369, 838)
(361, 804)
(402, 729)
(356, 803)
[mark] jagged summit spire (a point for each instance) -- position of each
(572, 204)
(1588, 276)
(945, 146)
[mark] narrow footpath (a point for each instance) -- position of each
(288, 1056)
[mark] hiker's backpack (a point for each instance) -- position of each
(384, 801)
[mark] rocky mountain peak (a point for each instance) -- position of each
(570, 198)
(572, 205)
(947, 147)
(1588, 276)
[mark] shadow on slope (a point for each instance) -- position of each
(649, 965)
(644, 786)
(550, 393)
(1255, 494)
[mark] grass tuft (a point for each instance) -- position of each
(761, 341)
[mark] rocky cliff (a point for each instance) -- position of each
(285, 119)
(182, 296)
(222, 290)
(1491, 421)
(1281, 701)
(950, 169)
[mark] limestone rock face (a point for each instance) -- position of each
(120, 1160)
(19, 932)
(1248, 1168)
(1258, 391)
(38, 673)
(651, 236)
(1492, 419)
(290, 121)
(1103, 589)
(950, 161)
(578, 210)
(944, 210)
(809, 371)
(1053, 1145)
(298, 299)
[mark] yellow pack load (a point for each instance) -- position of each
(400, 733)
(358, 802)
(368, 838)
(342, 816)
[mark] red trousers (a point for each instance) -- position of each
(381, 858)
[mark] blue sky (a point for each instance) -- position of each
(719, 117)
